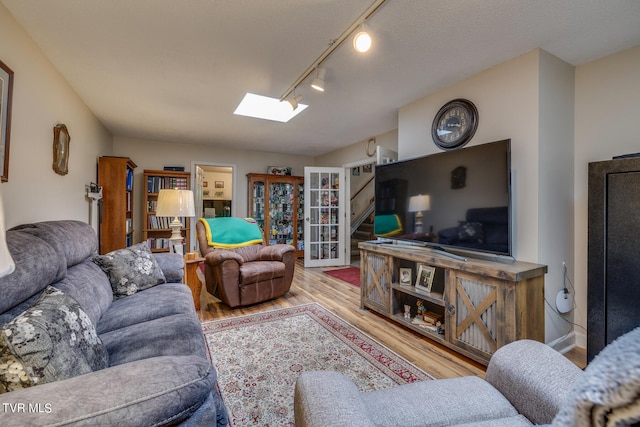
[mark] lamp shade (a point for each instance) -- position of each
(419, 203)
(174, 203)
(7, 266)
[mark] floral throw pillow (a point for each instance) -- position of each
(52, 340)
(131, 269)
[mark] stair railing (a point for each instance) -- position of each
(363, 201)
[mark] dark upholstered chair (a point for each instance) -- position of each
(245, 275)
(484, 228)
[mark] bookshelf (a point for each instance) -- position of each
(155, 230)
(115, 175)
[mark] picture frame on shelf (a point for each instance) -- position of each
(424, 280)
(6, 97)
(406, 276)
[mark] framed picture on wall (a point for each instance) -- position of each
(219, 184)
(6, 95)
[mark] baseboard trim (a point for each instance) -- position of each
(565, 343)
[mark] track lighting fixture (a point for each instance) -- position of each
(318, 82)
(335, 44)
(294, 101)
(362, 41)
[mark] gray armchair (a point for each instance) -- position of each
(526, 383)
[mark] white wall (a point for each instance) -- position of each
(357, 151)
(555, 203)
(528, 100)
(507, 100)
(41, 99)
(606, 118)
(155, 155)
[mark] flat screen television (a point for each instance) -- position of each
(458, 199)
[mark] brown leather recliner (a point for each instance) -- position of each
(246, 275)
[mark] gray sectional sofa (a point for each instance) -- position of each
(140, 357)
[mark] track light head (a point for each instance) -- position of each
(294, 101)
(362, 41)
(318, 82)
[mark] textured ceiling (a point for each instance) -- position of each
(175, 70)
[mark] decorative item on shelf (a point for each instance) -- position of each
(61, 141)
(455, 124)
(419, 320)
(431, 318)
(407, 311)
(279, 170)
(176, 203)
(424, 281)
(421, 307)
(405, 276)
(6, 95)
(418, 204)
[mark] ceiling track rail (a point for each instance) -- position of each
(335, 44)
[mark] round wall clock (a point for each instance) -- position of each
(455, 124)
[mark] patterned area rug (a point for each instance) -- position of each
(259, 357)
(349, 275)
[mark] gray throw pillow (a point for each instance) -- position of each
(52, 340)
(131, 269)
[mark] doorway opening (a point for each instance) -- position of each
(214, 192)
(360, 192)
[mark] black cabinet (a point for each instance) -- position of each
(613, 281)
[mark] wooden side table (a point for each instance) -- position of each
(191, 264)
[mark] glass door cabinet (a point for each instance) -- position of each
(276, 202)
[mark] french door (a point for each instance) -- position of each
(324, 217)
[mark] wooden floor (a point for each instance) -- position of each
(343, 299)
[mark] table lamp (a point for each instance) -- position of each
(175, 203)
(7, 266)
(418, 204)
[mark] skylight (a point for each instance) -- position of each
(264, 107)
